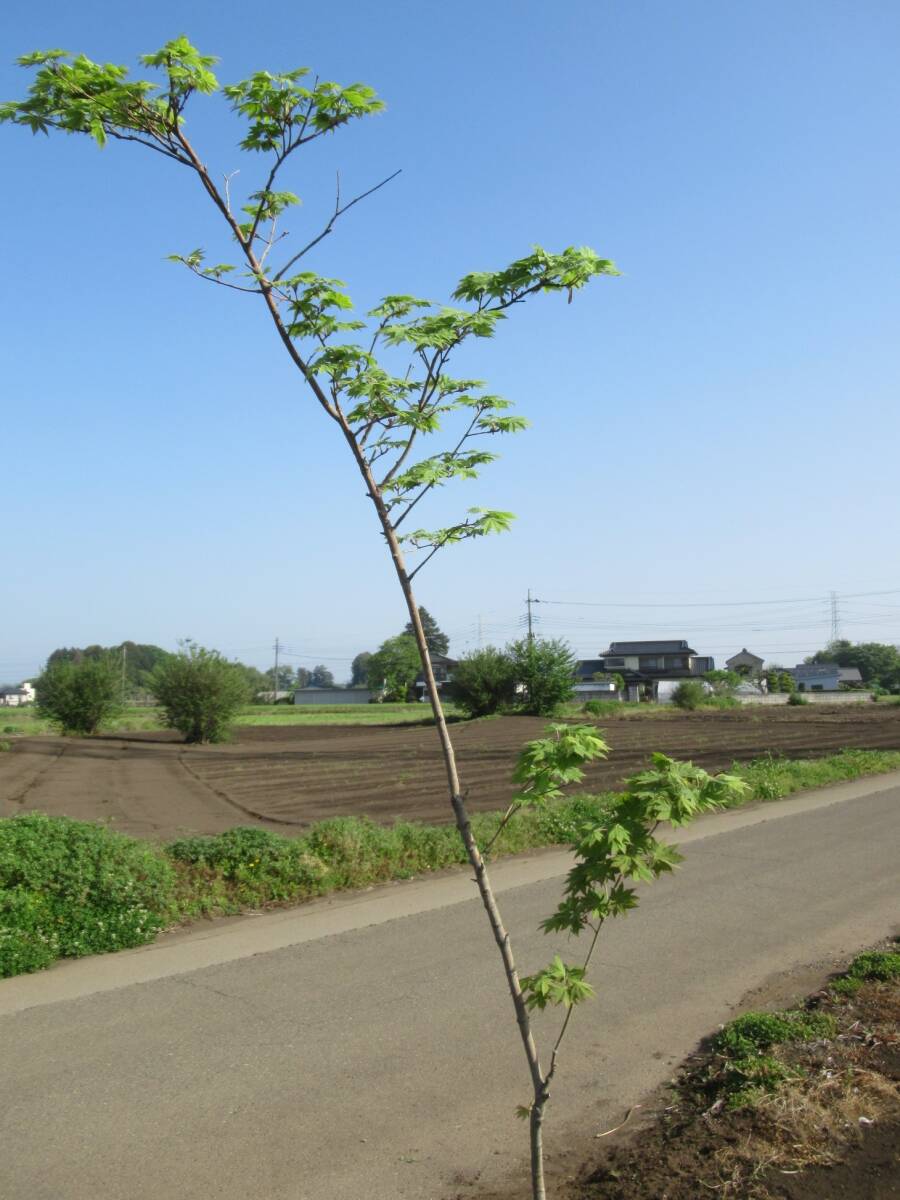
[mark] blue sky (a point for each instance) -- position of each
(717, 425)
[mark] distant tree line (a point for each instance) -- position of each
(133, 664)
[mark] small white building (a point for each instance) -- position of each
(12, 695)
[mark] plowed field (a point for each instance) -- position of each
(150, 785)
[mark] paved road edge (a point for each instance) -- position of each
(226, 940)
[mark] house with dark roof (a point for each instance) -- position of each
(646, 665)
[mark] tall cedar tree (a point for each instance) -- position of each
(437, 642)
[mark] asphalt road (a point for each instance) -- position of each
(363, 1049)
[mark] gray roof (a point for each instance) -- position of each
(815, 671)
(616, 648)
(849, 675)
(744, 653)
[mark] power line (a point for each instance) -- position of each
(706, 603)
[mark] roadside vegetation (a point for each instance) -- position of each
(801, 1102)
(69, 888)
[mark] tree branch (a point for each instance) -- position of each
(264, 283)
(428, 486)
(338, 212)
(235, 287)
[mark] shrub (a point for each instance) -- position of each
(601, 708)
(723, 683)
(200, 693)
(262, 866)
(484, 682)
(545, 670)
(689, 694)
(79, 697)
(796, 698)
(69, 888)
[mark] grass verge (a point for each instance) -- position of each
(794, 1104)
(65, 885)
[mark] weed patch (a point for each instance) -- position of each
(68, 888)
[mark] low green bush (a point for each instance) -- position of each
(257, 867)
(756, 1031)
(748, 1071)
(69, 888)
(79, 697)
(797, 698)
(601, 708)
(200, 692)
(689, 694)
(882, 965)
(484, 682)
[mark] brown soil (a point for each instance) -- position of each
(806, 1143)
(281, 778)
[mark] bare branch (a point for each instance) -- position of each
(235, 287)
(228, 179)
(338, 212)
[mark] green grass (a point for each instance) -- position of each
(618, 708)
(880, 965)
(772, 778)
(67, 883)
(338, 714)
(25, 720)
(745, 1070)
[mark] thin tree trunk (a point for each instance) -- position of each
(463, 824)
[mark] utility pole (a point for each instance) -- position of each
(124, 661)
(275, 676)
(835, 618)
(529, 602)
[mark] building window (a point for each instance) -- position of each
(614, 662)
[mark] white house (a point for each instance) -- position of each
(12, 695)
